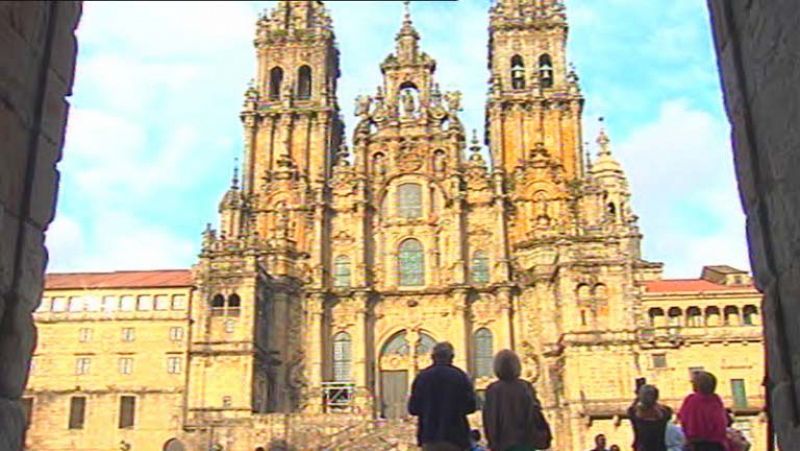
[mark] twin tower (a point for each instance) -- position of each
(347, 268)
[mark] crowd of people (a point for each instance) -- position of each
(442, 396)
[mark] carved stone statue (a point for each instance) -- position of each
(453, 99)
(362, 105)
(408, 102)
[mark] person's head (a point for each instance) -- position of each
(600, 441)
(443, 352)
(614, 448)
(507, 366)
(647, 396)
(704, 382)
(475, 434)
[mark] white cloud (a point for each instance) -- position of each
(681, 172)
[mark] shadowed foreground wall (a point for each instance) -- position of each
(37, 59)
(757, 46)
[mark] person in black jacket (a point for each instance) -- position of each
(442, 396)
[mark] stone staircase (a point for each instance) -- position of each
(377, 435)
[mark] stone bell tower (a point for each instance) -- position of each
(533, 111)
(291, 121)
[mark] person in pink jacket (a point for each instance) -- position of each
(703, 416)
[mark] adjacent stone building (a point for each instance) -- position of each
(335, 269)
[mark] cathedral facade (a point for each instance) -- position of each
(335, 267)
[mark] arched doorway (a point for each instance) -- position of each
(174, 445)
(398, 363)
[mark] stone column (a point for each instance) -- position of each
(460, 329)
(360, 353)
(505, 339)
(315, 344)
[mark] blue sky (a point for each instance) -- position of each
(154, 125)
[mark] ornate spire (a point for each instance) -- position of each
(602, 140)
(475, 156)
(408, 38)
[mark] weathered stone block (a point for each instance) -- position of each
(45, 187)
(31, 276)
(17, 341)
(12, 160)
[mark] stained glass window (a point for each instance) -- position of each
(409, 200)
(397, 345)
(425, 344)
(341, 357)
(341, 271)
(480, 267)
(483, 353)
(412, 264)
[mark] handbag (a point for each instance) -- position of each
(542, 435)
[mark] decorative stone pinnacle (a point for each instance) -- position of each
(602, 139)
(235, 179)
(407, 12)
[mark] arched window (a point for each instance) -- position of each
(218, 305)
(304, 82)
(694, 318)
(480, 267)
(675, 315)
(425, 344)
(411, 264)
(341, 271)
(234, 303)
(397, 345)
(174, 445)
(482, 362)
(582, 293)
(341, 357)
(712, 316)
(731, 315)
(546, 71)
(750, 315)
(517, 72)
(275, 81)
(656, 317)
(409, 200)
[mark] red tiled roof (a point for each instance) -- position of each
(689, 285)
(119, 279)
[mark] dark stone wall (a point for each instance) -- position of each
(758, 49)
(37, 60)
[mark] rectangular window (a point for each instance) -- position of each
(176, 333)
(145, 303)
(739, 393)
(125, 365)
(27, 407)
(173, 365)
(110, 304)
(127, 412)
(59, 304)
(128, 334)
(179, 302)
(82, 365)
(76, 304)
(127, 303)
(659, 360)
(77, 412)
(92, 303)
(162, 302)
(84, 335)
